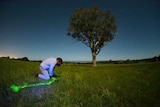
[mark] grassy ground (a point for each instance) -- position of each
(121, 85)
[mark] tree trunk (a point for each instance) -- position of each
(94, 59)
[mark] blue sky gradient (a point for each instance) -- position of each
(37, 29)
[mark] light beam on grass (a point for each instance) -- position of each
(16, 88)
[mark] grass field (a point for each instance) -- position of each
(108, 85)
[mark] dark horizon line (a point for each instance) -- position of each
(85, 61)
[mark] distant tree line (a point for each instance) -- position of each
(22, 59)
(127, 61)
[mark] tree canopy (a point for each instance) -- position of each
(92, 27)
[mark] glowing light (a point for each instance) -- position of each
(16, 88)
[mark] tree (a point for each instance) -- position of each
(92, 27)
(23, 59)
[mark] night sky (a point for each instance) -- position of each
(37, 29)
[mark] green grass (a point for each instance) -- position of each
(108, 85)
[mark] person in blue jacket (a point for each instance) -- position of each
(47, 68)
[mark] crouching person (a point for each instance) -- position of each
(47, 68)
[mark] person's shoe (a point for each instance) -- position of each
(36, 74)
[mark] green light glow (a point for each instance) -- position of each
(15, 88)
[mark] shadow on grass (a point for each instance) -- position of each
(25, 97)
(8, 98)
